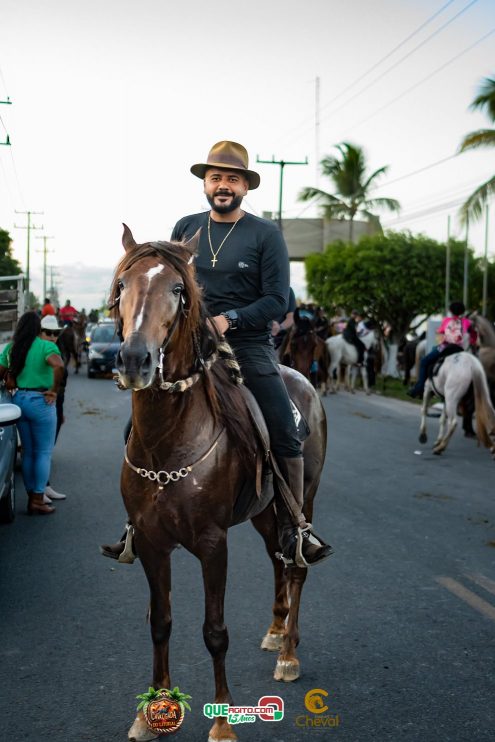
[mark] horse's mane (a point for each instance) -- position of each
(195, 336)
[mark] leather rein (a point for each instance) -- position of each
(163, 477)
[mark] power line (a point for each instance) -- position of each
(415, 172)
(379, 62)
(390, 53)
(402, 59)
(425, 212)
(423, 80)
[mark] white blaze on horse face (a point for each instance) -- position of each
(149, 275)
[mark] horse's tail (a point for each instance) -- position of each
(485, 414)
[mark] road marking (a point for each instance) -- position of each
(480, 605)
(483, 582)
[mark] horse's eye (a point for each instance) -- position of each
(120, 285)
(177, 290)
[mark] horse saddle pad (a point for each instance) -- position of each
(253, 500)
(450, 350)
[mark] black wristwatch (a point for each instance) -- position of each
(232, 318)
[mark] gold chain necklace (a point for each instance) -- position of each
(214, 259)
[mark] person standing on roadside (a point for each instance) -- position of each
(34, 368)
(48, 309)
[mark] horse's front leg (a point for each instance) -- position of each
(214, 564)
(288, 667)
(158, 574)
(364, 377)
(424, 408)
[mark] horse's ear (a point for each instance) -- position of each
(192, 245)
(127, 239)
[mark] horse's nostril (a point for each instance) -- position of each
(146, 365)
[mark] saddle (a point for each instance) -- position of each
(252, 501)
(450, 350)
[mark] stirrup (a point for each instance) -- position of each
(298, 560)
(128, 556)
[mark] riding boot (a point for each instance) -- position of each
(36, 506)
(123, 550)
(300, 546)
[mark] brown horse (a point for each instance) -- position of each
(70, 342)
(486, 334)
(306, 352)
(191, 458)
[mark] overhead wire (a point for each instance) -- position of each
(423, 80)
(380, 61)
(399, 62)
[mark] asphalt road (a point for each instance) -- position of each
(398, 627)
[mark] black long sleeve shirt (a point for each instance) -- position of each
(251, 274)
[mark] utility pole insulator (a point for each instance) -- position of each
(282, 164)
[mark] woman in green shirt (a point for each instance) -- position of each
(34, 369)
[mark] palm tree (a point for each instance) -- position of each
(352, 187)
(484, 101)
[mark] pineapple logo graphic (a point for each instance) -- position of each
(163, 709)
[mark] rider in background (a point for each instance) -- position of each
(321, 323)
(351, 335)
(67, 314)
(452, 331)
(48, 308)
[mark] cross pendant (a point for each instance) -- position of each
(213, 261)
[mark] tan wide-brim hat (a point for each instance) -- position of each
(228, 156)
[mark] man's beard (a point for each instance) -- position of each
(224, 208)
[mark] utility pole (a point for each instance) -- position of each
(7, 102)
(29, 227)
(485, 265)
(317, 131)
(466, 267)
(447, 269)
(45, 252)
(282, 164)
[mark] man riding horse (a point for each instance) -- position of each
(243, 267)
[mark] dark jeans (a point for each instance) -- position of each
(262, 377)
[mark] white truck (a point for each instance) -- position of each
(12, 303)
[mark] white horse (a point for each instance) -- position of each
(343, 352)
(452, 382)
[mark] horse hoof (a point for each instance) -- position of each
(221, 731)
(287, 670)
(140, 732)
(437, 451)
(423, 438)
(272, 642)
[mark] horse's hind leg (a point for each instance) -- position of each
(159, 579)
(214, 564)
(266, 525)
(450, 412)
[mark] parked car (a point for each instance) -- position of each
(103, 348)
(9, 414)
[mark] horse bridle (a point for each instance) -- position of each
(181, 384)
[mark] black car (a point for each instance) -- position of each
(103, 348)
(9, 414)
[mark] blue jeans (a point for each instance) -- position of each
(36, 427)
(424, 367)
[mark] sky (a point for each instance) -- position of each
(114, 100)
